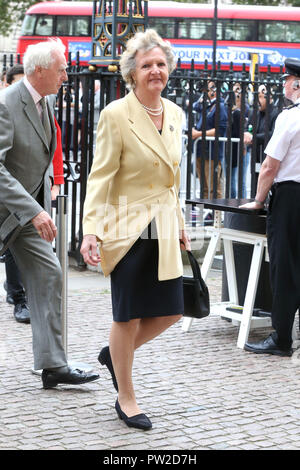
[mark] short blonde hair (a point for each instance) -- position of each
(143, 41)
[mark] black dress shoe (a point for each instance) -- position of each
(140, 421)
(21, 313)
(51, 378)
(267, 346)
(105, 359)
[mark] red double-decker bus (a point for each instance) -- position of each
(271, 32)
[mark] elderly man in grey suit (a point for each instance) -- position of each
(27, 145)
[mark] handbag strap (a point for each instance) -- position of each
(194, 264)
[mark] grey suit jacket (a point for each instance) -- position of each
(25, 159)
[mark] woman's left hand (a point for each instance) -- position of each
(185, 242)
(89, 250)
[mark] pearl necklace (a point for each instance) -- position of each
(153, 111)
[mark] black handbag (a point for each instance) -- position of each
(195, 292)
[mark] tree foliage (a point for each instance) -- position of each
(11, 13)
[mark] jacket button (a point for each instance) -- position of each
(156, 163)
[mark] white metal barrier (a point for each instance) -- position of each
(195, 186)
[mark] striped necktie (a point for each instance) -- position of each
(45, 120)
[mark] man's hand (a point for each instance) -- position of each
(248, 137)
(267, 174)
(89, 250)
(252, 205)
(45, 226)
(196, 134)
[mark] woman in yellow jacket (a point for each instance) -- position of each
(132, 209)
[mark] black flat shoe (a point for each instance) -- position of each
(268, 346)
(140, 421)
(51, 378)
(105, 359)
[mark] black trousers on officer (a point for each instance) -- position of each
(283, 232)
(13, 280)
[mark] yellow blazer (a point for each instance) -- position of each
(134, 178)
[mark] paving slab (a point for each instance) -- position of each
(200, 391)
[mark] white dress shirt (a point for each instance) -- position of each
(284, 144)
(35, 95)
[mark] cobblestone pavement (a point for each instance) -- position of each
(198, 388)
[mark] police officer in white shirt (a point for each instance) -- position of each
(280, 172)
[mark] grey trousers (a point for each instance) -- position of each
(42, 278)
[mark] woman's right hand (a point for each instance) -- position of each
(89, 250)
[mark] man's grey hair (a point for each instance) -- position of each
(143, 41)
(41, 54)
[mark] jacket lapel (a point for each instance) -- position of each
(53, 128)
(32, 114)
(145, 130)
(170, 126)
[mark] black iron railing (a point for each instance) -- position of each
(86, 93)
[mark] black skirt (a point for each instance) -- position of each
(135, 289)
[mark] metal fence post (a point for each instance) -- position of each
(62, 254)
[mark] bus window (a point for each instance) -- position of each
(81, 26)
(63, 26)
(197, 29)
(72, 26)
(239, 30)
(28, 25)
(271, 31)
(44, 26)
(293, 32)
(279, 32)
(164, 26)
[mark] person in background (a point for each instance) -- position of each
(210, 111)
(14, 74)
(280, 173)
(235, 133)
(132, 209)
(3, 80)
(264, 129)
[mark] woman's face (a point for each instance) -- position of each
(151, 73)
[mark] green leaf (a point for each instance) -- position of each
(12, 13)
